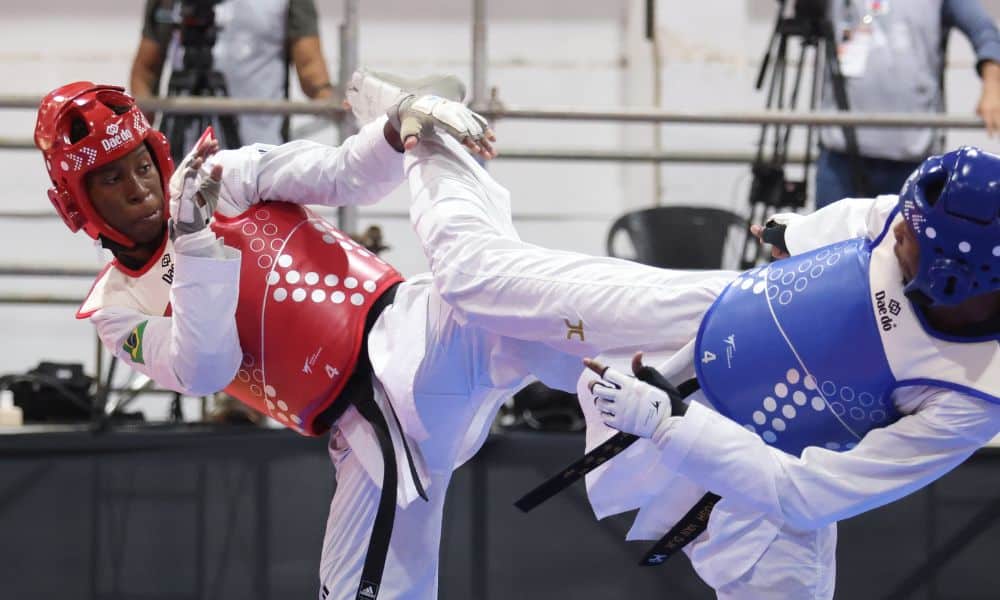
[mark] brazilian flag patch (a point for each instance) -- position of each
(133, 343)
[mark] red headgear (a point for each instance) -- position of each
(115, 126)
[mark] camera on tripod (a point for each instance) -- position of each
(198, 32)
(808, 21)
(809, 9)
(770, 187)
(196, 76)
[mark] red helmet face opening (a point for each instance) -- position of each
(82, 127)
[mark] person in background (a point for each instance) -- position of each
(892, 55)
(257, 42)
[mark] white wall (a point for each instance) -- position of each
(560, 52)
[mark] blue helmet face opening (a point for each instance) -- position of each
(952, 205)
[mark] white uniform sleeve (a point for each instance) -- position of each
(842, 220)
(196, 350)
(362, 170)
(823, 486)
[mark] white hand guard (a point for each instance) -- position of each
(195, 194)
(420, 115)
(630, 405)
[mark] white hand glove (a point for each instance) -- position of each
(415, 116)
(194, 194)
(630, 405)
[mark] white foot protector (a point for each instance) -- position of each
(371, 93)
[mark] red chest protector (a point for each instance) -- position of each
(305, 289)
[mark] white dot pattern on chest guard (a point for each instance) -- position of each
(311, 279)
(782, 284)
(842, 401)
(286, 282)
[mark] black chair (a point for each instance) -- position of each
(677, 237)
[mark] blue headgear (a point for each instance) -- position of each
(952, 204)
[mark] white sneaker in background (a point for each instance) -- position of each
(371, 93)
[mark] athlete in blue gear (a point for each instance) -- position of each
(825, 390)
(834, 381)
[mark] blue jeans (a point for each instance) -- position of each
(834, 180)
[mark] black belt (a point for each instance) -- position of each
(610, 448)
(690, 526)
(358, 392)
(359, 384)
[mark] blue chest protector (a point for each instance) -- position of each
(792, 351)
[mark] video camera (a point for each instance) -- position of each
(815, 10)
(193, 74)
(198, 32)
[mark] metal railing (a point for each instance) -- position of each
(498, 111)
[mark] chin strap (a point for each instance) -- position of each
(121, 251)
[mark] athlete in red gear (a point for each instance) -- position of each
(229, 283)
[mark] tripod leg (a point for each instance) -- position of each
(750, 254)
(768, 56)
(780, 74)
(173, 129)
(775, 90)
(228, 125)
(770, 191)
(793, 101)
(766, 169)
(181, 132)
(817, 82)
(229, 131)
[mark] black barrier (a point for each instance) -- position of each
(234, 513)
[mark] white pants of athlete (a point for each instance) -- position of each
(449, 351)
(796, 564)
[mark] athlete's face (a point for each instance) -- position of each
(950, 319)
(907, 250)
(127, 193)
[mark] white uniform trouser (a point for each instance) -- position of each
(411, 563)
(796, 564)
(576, 303)
(498, 311)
